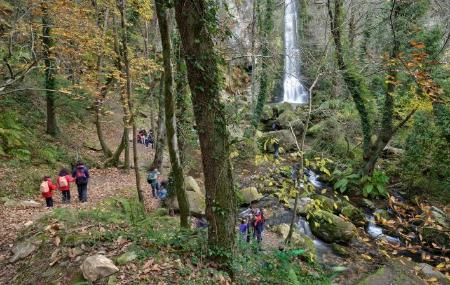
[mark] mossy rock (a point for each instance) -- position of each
(432, 235)
(299, 240)
(326, 203)
(394, 273)
(197, 203)
(286, 118)
(331, 228)
(355, 215)
(285, 138)
(192, 185)
(341, 250)
(267, 113)
(249, 194)
(126, 257)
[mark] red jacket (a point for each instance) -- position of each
(51, 187)
(69, 180)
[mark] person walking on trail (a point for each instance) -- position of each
(63, 182)
(257, 221)
(47, 188)
(152, 179)
(162, 191)
(81, 175)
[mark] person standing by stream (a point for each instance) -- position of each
(81, 175)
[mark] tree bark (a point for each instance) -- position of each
(171, 123)
(160, 141)
(123, 98)
(50, 69)
(131, 116)
(353, 81)
(194, 24)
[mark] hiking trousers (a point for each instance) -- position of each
(82, 192)
(65, 196)
(49, 202)
(258, 229)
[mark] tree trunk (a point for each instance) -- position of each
(171, 123)
(182, 95)
(353, 81)
(114, 160)
(50, 69)
(194, 24)
(266, 28)
(160, 141)
(123, 98)
(104, 89)
(131, 116)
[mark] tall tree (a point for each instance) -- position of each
(171, 123)
(265, 30)
(131, 120)
(196, 20)
(161, 135)
(50, 69)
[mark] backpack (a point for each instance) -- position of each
(44, 187)
(63, 181)
(80, 177)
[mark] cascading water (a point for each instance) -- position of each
(293, 90)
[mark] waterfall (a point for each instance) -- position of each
(293, 90)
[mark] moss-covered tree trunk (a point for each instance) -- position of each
(196, 21)
(266, 28)
(50, 70)
(171, 124)
(161, 135)
(354, 82)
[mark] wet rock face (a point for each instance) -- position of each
(331, 228)
(98, 266)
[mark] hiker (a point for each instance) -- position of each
(149, 140)
(201, 223)
(244, 229)
(152, 179)
(257, 221)
(81, 175)
(162, 191)
(63, 182)
(276, 149)
(46, 188)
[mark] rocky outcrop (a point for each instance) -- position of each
(331, 228)
(98, 266)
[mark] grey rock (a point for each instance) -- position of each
(30, 204)
(126, 257)
(429, 272)
(21, 251)
(98, 266)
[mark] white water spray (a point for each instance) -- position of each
(293, 90)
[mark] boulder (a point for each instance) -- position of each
(267, 113)
(285, 139)
(393, 273)
(97, 266)
(331, 228)
(354, 214)
(428, 272)
(126, 257)
(299, 240)
(22, 250)
(326, 203)
(250, 194)
(30, 204)
(192, 185)
(286, 118)
(197, 203)
(302, 205)
(340, 249)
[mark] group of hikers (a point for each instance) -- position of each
(79, 176)
(145, 137)
(252, 220)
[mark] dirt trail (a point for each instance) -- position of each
(103, 184)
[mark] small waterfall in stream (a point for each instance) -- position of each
(293, 90)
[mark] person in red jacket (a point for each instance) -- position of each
(63, 182)
(46, 189)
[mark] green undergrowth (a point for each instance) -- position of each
(154, 236)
